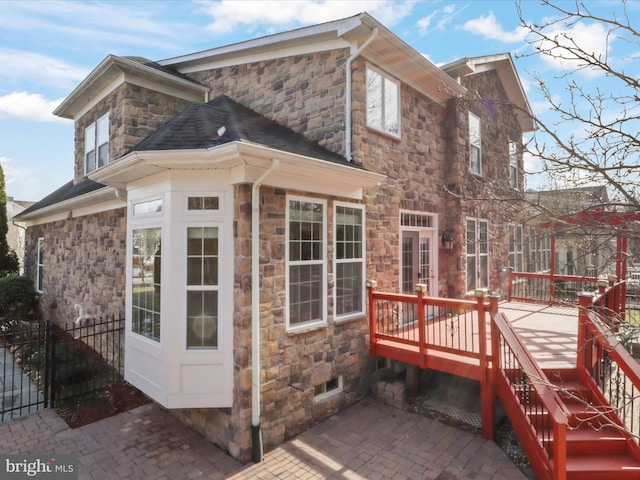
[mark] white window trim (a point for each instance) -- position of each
(514, 181)
(480, 169)
(384, 76)
(96, 146)
(204, 288)
(518, 252)
(477, 253)
(40, 264)
(207, 213)
(322, 322)
(351, 315)
(330, 393)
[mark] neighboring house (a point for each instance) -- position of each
(233, 202)
(16, 229)
(580, 249)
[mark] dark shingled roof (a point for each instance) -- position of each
(199, 125)
(66, 192)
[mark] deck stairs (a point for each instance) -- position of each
(596, 448)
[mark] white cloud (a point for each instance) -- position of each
(30, 106)
(39, 68)
(229, 15)
(488, 27)
(12, 174)
(590, 38)
(442, 18)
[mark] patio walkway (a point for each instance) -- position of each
(368, 440)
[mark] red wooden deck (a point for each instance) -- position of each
(452, 341)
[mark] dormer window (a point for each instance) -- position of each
(96, 144)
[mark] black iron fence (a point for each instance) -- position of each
(42, 364)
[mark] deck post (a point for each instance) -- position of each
(486, 393)
(373, 332)
(585, 301)
(422, 324)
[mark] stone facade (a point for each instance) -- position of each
(84, 263)
(426, 170)
(134, 113)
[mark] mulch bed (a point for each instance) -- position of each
(102, 404)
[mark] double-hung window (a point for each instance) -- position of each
(96, 144)
(516, 254)
(349, 252)
(475, 143)
(306, 261)
(477, 254)
(383, 102)
(40, 264)
(513, 164)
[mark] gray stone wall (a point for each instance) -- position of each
(134, 113)
(305, 92)
(84, 263)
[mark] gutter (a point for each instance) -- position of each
(256, 433)
(374, 34)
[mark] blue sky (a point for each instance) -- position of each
(48, 47)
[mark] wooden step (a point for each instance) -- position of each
(602, 467)
(607, 440)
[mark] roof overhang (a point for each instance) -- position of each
(103, 199)
(114, 71)
(387, 51)
(503, 65)
(245, 163)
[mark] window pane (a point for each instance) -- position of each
(103, 155)
(475, 159)
(146, 281)
(305, 293)
(349, 288)
(471, 274)
(374, 99)
(202, 319)
(152, 206)
(90, 161)
(391, 116)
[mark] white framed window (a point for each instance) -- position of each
(96, 144)
(477, 254)
(203, 273)
(306, 262)
(147, 207)
(539, 251)
(349, 258)
(40, 272)
(146, 273)
(516, 253)
(513, 165)
(475, 144)
(203, 203)
(383, 102)
(327, 389)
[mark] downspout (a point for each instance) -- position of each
(374, 34)
(256, 434)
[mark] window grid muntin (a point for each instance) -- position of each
(203, 271)
(349, 252)
(306, 220)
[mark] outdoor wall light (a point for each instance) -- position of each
(447, 240)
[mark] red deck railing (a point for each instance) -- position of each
(548, 287)
(605, 364)
(537, 412)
